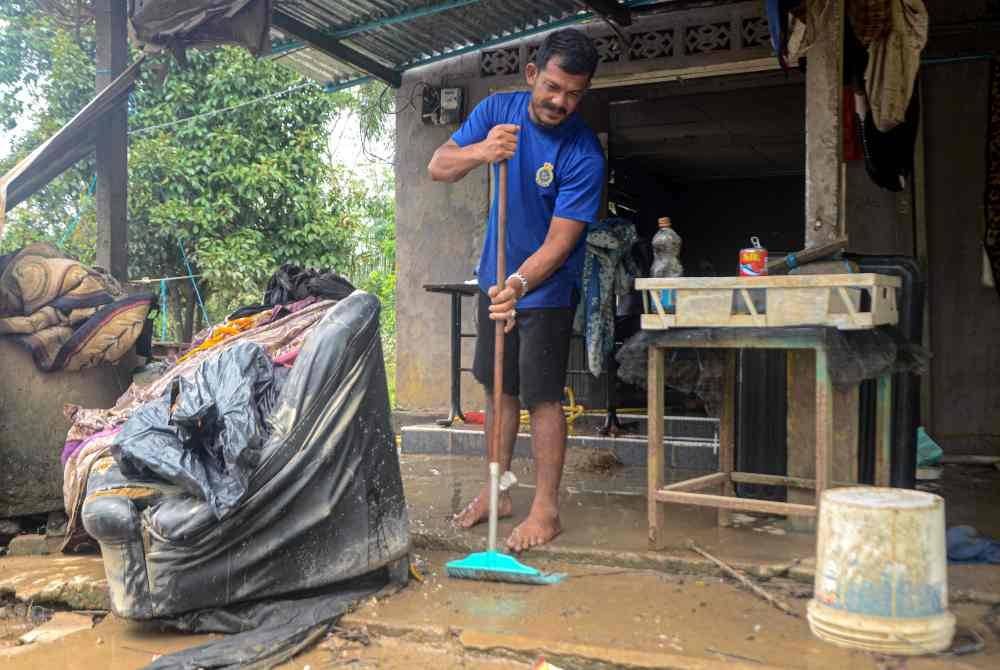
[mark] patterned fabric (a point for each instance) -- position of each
(608, 271)
(991, 241)
(69, 316)
(40, 275)
(277, 338)
(224, 331)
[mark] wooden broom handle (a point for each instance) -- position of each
(498, 347)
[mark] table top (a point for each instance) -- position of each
(452, 287)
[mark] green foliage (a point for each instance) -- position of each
(242, 191)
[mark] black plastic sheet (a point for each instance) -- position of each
(324, 506)
(266, 633)
(205, 434)
(854, 355)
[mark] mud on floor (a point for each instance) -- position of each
(16, 619)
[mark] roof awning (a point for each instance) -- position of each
(74, 141)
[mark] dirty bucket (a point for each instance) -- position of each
(881, 572)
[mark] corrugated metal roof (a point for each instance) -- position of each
(401, 35)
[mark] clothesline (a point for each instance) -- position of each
(153, 280)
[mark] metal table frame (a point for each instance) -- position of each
(691, 491)
(457, 291)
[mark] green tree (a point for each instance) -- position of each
(240, 191)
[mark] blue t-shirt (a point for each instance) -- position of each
(554, 172)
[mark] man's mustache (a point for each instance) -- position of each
(553, 108)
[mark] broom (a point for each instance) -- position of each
(491, 565)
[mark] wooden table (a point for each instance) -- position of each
(693, 491)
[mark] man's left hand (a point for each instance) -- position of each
(504, 301)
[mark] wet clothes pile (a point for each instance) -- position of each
(69, 316)
(292, 284)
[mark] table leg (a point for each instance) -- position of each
(883, 431)
(655, 455)
(727, 431)
(824, 425)
(612, 426)
(456, 362)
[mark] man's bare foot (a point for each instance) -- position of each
(539, 528)
(478, 510)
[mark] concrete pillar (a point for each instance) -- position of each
(824, 223)
(112, 142)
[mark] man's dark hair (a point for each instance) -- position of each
(575, 51)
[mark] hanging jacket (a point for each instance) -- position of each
(608, 270)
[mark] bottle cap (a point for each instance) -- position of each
(663, 221)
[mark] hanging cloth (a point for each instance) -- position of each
(893, 61)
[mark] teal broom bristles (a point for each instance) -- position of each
(496, 567)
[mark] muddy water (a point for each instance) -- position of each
(620, 611)
(113, 644)
(599, 510)
(696, 617)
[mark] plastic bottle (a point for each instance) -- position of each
(666, 258)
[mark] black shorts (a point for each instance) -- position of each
(536, 352)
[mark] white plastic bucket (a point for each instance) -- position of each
(882, 571)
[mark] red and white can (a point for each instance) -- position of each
(753, 260)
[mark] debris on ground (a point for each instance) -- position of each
(600, 461)
(28, 545)
(60, 625)
(744, 580)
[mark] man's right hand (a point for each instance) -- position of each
(500, 144)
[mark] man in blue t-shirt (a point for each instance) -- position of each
(555, 184)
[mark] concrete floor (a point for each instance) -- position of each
(621, 607)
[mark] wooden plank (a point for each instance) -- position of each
(883, 431)
(794, 306)
(824, 425)
(864, 321)
(860, 280)
(824, 120)
(735, 504)
(655, 456)
(727, 430)
(111, 41)
(698, 483)
(703, 308)
(801, 483)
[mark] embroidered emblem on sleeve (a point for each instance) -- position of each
(545, 175)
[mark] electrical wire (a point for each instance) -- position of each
(216, 112)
